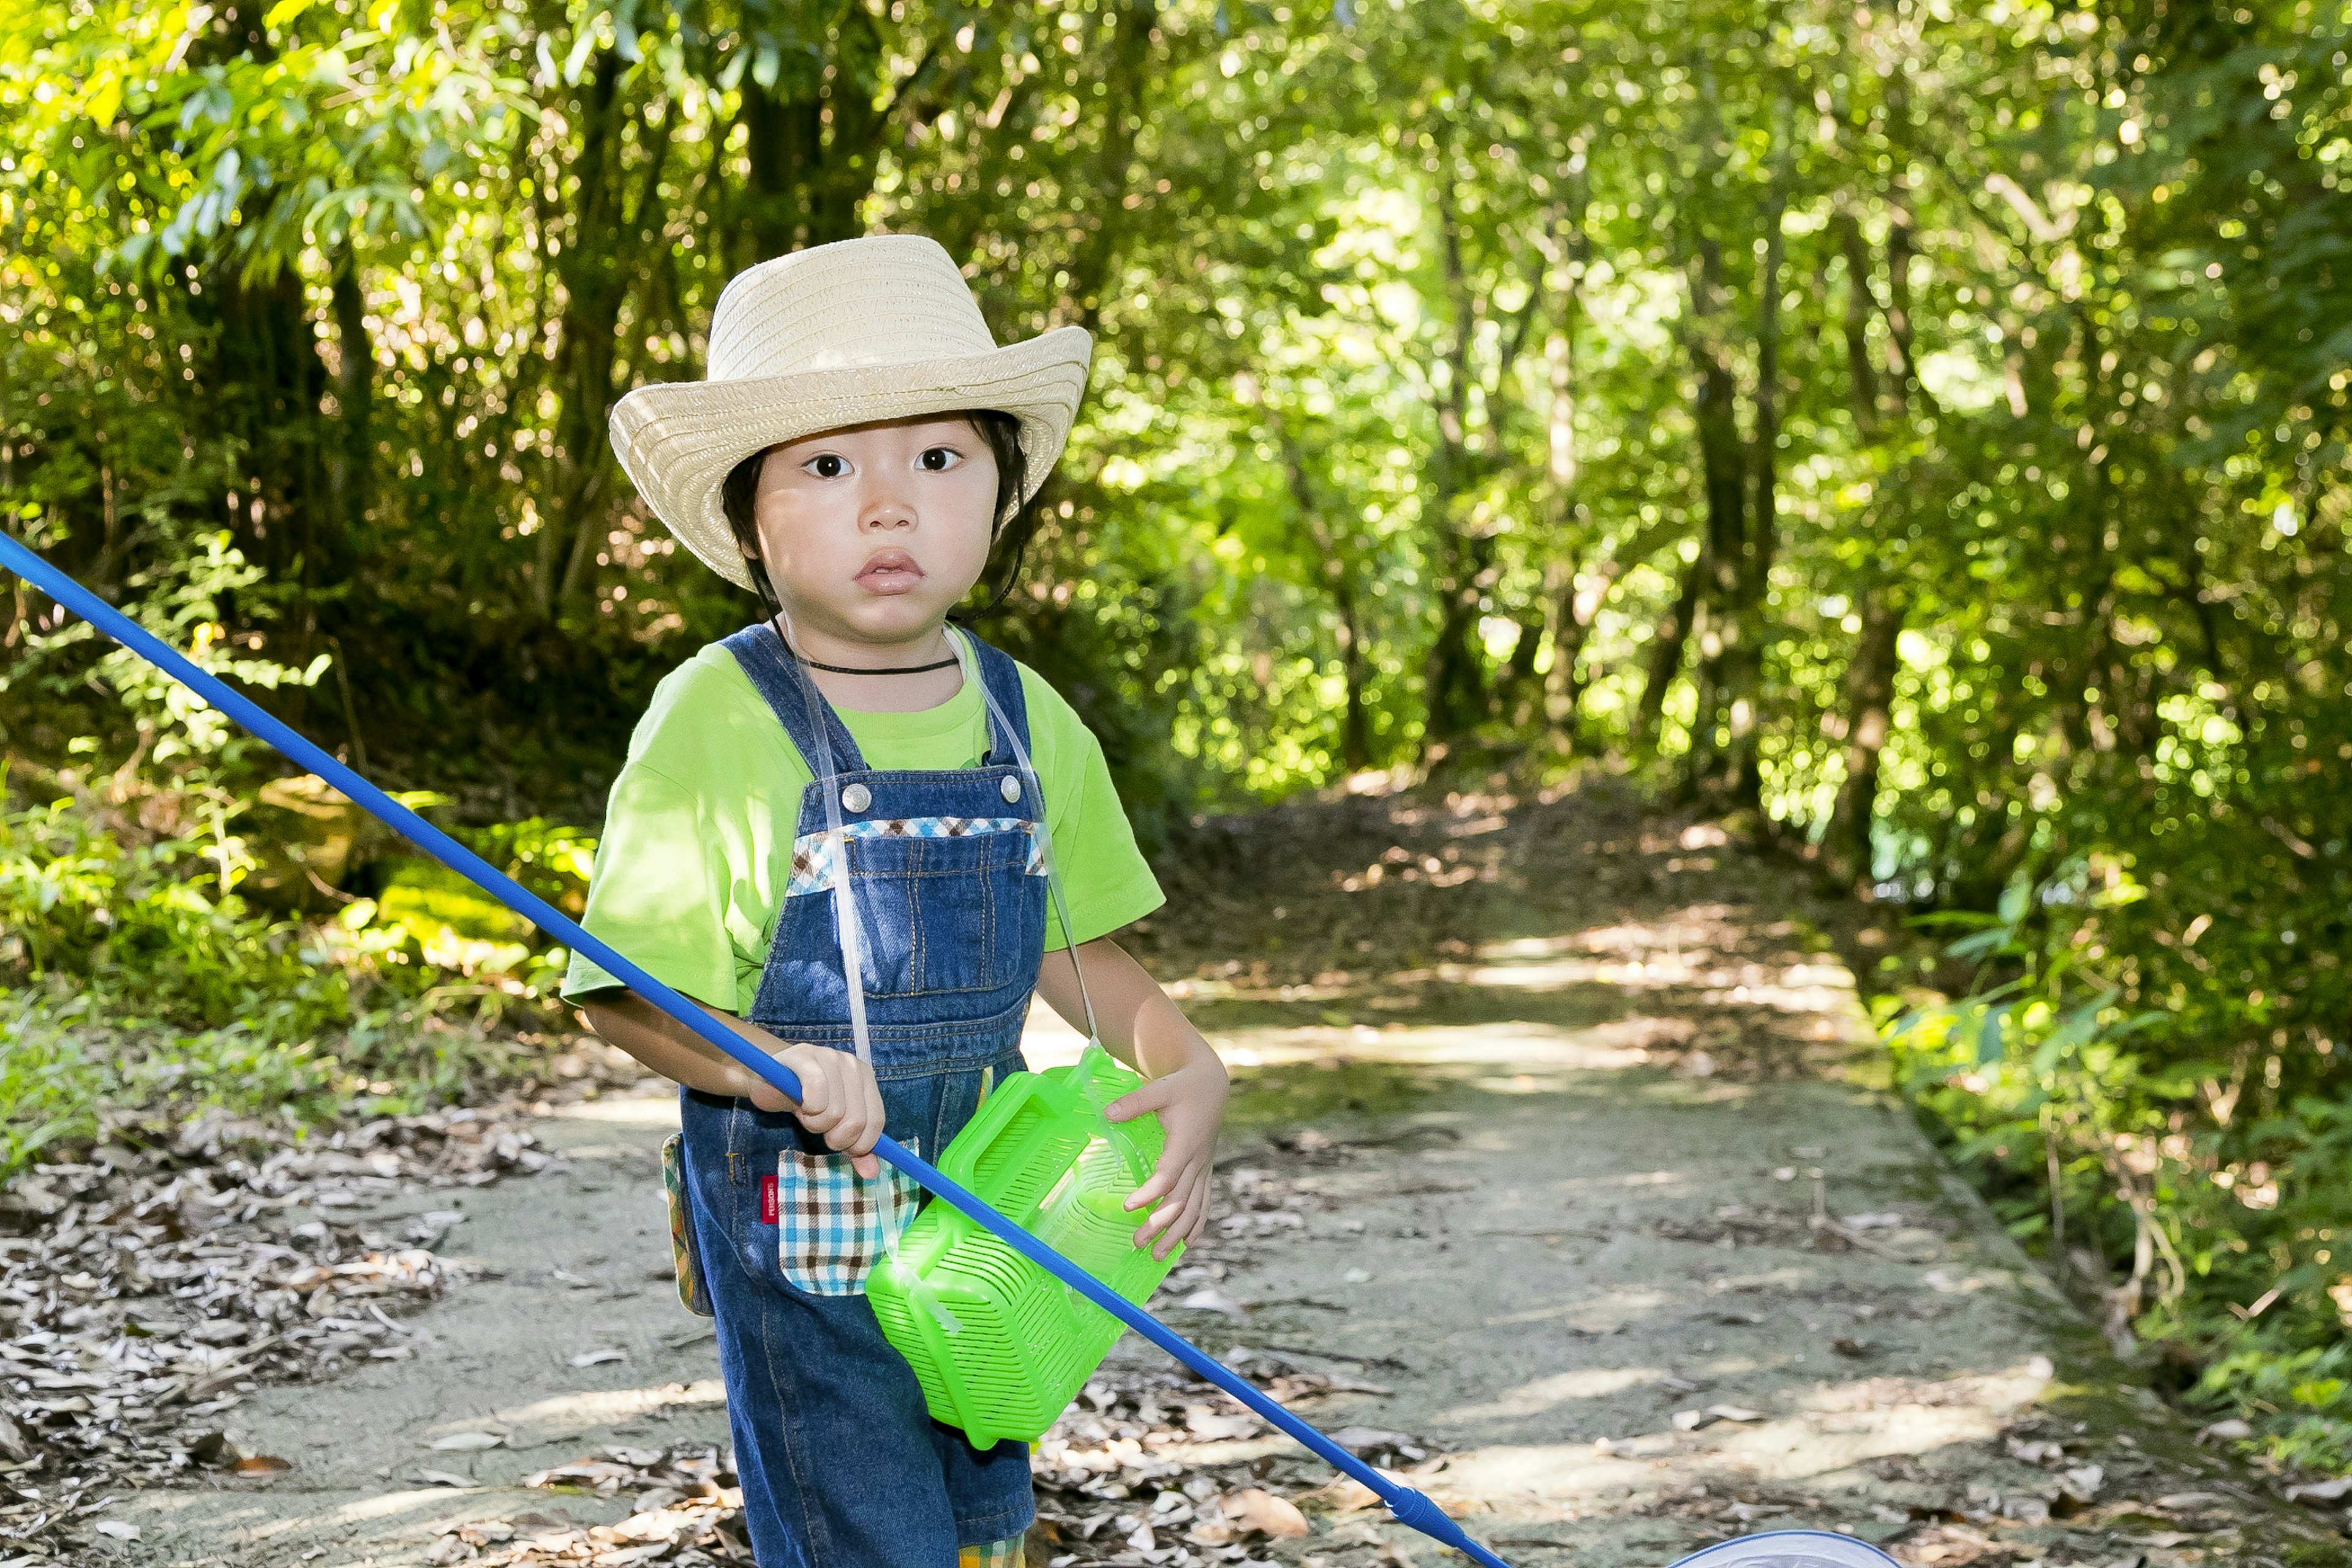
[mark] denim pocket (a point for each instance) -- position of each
(944, 914)
(832, 1223)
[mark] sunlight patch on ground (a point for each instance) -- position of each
(633, 1110)
(1535, 1052)
(265, 1517)
(1516, 1048)
(1797, 988)
(1803, 1449)
(572, 1415)
(1806, 1447)
(1548, 1393)
(1046, 1041)
(1597, 1314)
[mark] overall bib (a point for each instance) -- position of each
(842, 1465)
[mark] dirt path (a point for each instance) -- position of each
(1544, 1182)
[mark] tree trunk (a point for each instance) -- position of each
(1564, 693)
(1339, 579)
(1576, 593)
(1902, 375)
(588, 265)
(354, 468)
(1860, 301)
(1744, 670)
(1869, 700)
(598, 263)
(1726, 552)
(1454, 681)
(265, 386)
(1665, 660)
(1126, 103)
(814, 142)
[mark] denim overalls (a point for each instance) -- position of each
(842, 1466)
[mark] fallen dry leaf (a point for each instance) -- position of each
(1257, 1511)
(2083, 1482)
(463, 1442)
(2320, 1491)
(263, 1465)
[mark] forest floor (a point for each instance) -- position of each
(1556, 1180)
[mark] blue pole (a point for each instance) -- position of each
(1410, 1507)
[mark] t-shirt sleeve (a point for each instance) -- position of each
(658, 893)
(1104, 876)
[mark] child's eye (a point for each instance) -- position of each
(938, 459)
(827, 466)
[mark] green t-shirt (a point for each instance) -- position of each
(698, 832)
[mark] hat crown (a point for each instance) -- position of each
(885, 299)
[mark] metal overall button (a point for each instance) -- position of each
(857, 797)
(1011, 789)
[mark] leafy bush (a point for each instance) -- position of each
(156, 928)
(2171, 1163)
(135, 975)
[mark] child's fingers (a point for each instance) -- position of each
(850, 1110)
(817, 1100)
(1178, 1163)
(1159, 1185)
(1186, 1183)
(1181, 1228)
(862, 1118)
(1156, 1095)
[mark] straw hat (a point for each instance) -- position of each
(879, 328)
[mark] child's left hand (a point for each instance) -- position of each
(1191, 1102)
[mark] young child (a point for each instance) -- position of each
(853, 776)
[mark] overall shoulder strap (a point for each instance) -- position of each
(1002, 676)
(794, 700)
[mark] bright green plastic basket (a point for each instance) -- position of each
(1001, 1346)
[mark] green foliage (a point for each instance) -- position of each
(135, 977)
(1922, 430)
(157, 926)
(51, 1087)
(2184, 1187)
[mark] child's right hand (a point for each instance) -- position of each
(839, 1100)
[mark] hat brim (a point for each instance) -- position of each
(680, 439)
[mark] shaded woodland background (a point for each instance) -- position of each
(1914, 431)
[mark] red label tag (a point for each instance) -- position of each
(767, 1199)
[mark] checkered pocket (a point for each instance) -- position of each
(833, 1224)
(691, 1293)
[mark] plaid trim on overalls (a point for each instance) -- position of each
(816, 859)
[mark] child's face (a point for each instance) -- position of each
(873, 533)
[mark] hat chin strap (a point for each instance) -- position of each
(845, 902)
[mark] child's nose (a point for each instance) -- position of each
(886, 510)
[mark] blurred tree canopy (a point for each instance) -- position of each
(1919, 425)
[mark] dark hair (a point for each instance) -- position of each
(739, 499)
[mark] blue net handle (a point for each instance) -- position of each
(1409, 1506)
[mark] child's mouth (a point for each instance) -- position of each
(890, 572)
